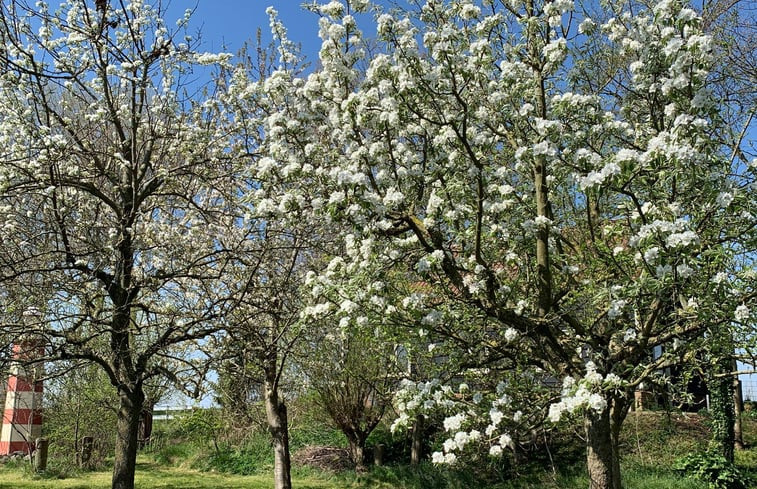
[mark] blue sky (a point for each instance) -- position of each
(230, 23)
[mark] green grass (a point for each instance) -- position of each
(152, 476)
(651, 442)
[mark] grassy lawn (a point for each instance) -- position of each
(633, 478)
(152, 476)
(651, 444)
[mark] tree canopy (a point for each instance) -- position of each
(551, 172)
(524, 194)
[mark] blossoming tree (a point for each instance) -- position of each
(115, 207)
(578, 219)
(264, 332)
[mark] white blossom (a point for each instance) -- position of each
(453, 423)
(742, 313)
(616, 309)
(684, 270)
(652, 254)
(511, 335)
(587, 26)
(724, 199)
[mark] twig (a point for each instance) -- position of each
(549, 453)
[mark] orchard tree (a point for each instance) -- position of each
(268, 267)
(583, 223)
(264, 331)
(115, 189)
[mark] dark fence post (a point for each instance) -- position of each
(378, 454)
(40, 454)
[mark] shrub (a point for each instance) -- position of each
(396, 445)
(174, 453)
(712, 468)
(315, 434)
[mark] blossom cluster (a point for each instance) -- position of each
(471, 417)
(586, 393)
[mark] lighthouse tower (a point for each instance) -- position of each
(22, 414)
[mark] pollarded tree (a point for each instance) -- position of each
(585, 224)
(355, 371)
(115, 193)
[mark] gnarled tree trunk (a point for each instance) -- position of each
(601, 459)
(356, 442)
(619, 406)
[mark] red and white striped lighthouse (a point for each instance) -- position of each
(22, 414)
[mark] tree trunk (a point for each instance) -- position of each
(416, 449)
(276, 414)
(145, 425)
(129, 415)
(618, 411)
(357, 452)
(76, 432)
(738, 408)
(600, 457)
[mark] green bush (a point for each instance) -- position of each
(174, 453)
(199, 424)
(396, 445)
(750, 410)
(712, 468)
(77, 403)
(240, 462)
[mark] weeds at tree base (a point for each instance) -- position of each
(712, 468)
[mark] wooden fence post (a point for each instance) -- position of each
(40, 454)
(378, 454)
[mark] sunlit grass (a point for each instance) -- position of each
(150, 476)
(652, 443)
